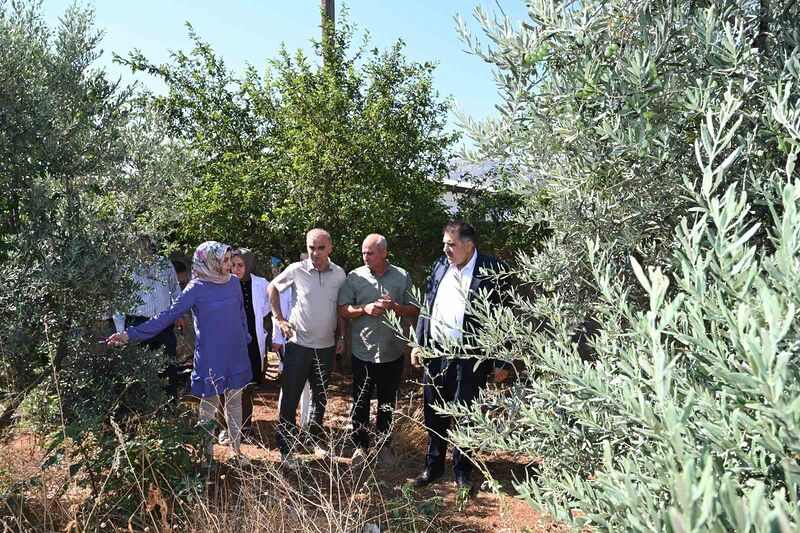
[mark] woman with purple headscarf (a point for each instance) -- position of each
(221, 364)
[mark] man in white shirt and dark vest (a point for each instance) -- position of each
(456, 279)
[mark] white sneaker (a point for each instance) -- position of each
(321, 451)
(224, 438)
(359, 457)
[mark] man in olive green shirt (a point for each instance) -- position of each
(368, 293)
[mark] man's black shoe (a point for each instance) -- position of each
(464, 483)
(427, 477)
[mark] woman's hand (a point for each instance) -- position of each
(117, 339)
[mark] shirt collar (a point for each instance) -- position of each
(388, 268)
(309, 265)
(469, 268)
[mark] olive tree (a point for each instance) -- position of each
(664, 139)
(83, 172)
(601, 105)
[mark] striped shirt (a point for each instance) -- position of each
(159, 288)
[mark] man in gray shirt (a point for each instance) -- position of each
(314, 334)
(367, 295)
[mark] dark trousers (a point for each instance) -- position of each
(163, 341)
(301, 364)
(367, 377)
(449, 380)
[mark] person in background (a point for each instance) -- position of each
(183, 273)
(221, 364)
(314, 335)
(158, 289)
(256, 307)
(457, 277)
(279, 342)
(275, 265)
(368, 294)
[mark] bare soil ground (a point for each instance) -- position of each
(486, 511)
(21, 458)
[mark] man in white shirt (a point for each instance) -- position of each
(158, 289)
(456, 278)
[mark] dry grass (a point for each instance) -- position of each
(321, 495)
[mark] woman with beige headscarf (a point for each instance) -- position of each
(220, 364)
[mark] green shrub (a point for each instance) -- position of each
(140, 471)
(83, 173)
(688, 418)
(407, 513)
(40, 411)
(675, 150)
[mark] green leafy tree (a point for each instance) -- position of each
(82, 174)
(688, 419)
(602, 104)
(683, 231)
(355, 144)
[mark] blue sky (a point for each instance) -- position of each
(243, 31)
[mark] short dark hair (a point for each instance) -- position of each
(463, 229)
(180, 266)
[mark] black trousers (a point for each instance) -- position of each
(163, 341)
(301, 364)
(449, 380)
(369, 377)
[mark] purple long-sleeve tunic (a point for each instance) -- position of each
(220, 354)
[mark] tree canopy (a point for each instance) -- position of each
(354, 143)
(602, 104)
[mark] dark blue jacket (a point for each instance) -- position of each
(480, 281)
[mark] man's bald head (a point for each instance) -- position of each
(318, 233)
(373, 251)
(377, 240)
